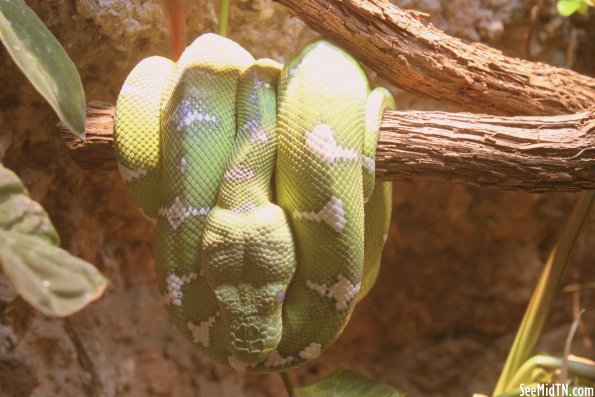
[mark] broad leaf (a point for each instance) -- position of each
(18, 213)
(569, 7)
(346, 383)
(45, 63)
(48, 277)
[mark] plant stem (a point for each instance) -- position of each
(547, 288)
(223, 17)
(287, 382)
(567, 345)
(174, 12)
(576, 366)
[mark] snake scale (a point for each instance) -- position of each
(260, 180)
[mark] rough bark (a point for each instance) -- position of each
(536, 154)
(424, 60)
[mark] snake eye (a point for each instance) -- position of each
(280, 297)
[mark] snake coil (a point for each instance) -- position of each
(260, 180)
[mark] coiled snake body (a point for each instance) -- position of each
(260, 179)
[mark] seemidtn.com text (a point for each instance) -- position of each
(556, 390)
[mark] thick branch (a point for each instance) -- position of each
(535, 154)
(424, 60)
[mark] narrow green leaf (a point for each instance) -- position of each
(346, 383)
(577, 366)
(45, 63)
(545, 291)
(49, 278)
(568, 7)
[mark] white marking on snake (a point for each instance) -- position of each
(293, 70)
(384, 238)
(236, 364)
(182, 114)
(129, 174)
(253, 97)
(200, 333)
(177, 212)
(186, 114)
(342, 291)
(275, 359)
(311, 351)
(374, 113)
(322, 142)
(239, 174)
(244, 208)
(174, 287)
(181, 167)
(257, 134)
(261, 84)
(332, 214)
(369, 164)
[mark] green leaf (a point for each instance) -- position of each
(547, 287)
(583, 9)
(577, 366)
(345, 383)
(48, 277)
(45, 63)
(18, 213)
(531, 373)
(569, 7)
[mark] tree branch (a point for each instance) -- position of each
(534, 154)
(424, 60)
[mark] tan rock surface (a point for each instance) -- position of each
(459, 268)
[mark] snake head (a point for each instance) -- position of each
(252, 317)
(249, 260)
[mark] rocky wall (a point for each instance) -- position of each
(458, 270)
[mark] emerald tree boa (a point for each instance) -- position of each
(260, 180)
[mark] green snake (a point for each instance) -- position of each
(260, 180)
